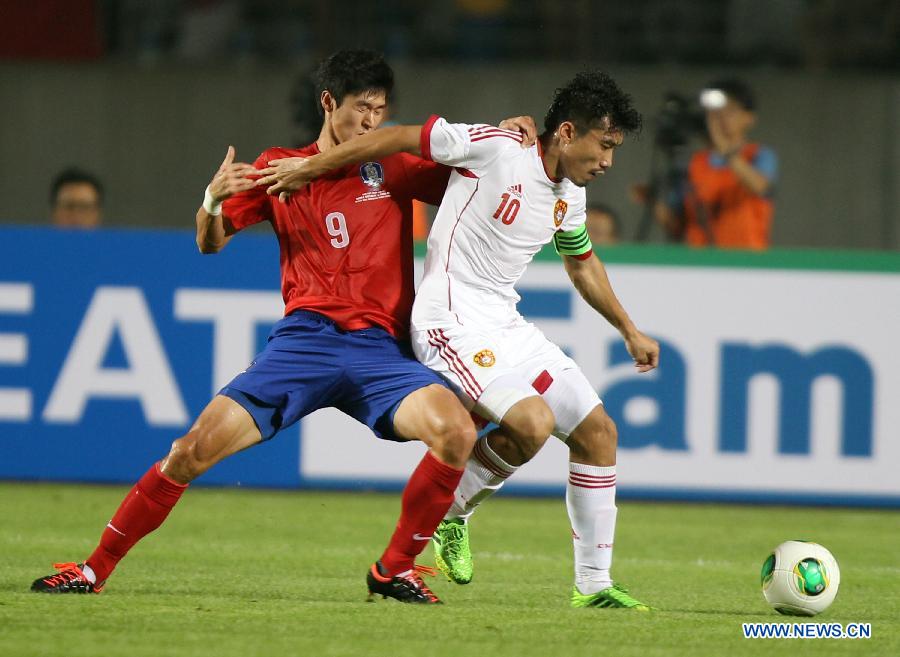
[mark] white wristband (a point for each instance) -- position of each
(209, 205)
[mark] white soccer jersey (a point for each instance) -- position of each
(499, 210)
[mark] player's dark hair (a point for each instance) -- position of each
(737, 90)
(353, 72)
(73, 175)
(589, 98)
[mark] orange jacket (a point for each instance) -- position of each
(718, 206)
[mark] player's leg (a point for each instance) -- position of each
(223, 428)
(400, 399)
(435, 416)
(272, 393)
(591, 499)
(591, 437)
(481, 371)
(522, 432)
(523, 429)
(487, 377)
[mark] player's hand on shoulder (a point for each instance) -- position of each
(285, 175)
(232, 177)
(524, 125)
(644, 350)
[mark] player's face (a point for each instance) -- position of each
(358, 114)
(590, 154)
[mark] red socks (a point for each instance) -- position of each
(143, 510)
(426, 499)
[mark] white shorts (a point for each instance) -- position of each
(492, 371)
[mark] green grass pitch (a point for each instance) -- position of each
(269, 573)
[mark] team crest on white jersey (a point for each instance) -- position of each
(559, 212)
(485, 358)
(372, 174)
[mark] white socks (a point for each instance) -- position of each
(484, 475)
(89, 574)
(591, 502)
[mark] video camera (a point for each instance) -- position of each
(682, 117)
(679, 120)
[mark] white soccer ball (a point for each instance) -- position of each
(800, 578)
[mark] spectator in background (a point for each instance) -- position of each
(726, 200)
(603, 225)
(76, 200)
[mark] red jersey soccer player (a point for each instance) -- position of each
(346, 263)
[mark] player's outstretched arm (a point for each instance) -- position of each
(213, 229)
(590, 279)
(286, 175)
(290, 174)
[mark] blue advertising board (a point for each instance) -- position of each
(772, 385)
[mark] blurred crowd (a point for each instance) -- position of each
(710, 183)
(714, 186)
(790, 33)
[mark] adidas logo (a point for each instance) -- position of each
(515, 190)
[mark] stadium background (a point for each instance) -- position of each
(147, 95)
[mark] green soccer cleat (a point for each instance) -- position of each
(615, 597)
(451, 550)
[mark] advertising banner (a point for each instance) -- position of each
(778, 379)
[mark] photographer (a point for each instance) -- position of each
(726, 196)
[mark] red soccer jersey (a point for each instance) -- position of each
(346, 239)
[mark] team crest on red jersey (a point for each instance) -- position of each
(372, 174)
(559, 212)
(485, 358)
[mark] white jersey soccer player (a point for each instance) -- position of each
(502, 205)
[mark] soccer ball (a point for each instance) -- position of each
(800, 578)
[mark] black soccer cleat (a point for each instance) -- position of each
(407, 587)
(69, 579)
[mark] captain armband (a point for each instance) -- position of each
(575, 243)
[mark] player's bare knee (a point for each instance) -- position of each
(182, 463)
(607, 433)
(595, 441)
(531, 430)
(464, 434)
(452, 437)
(538, 424)
(173, 465)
